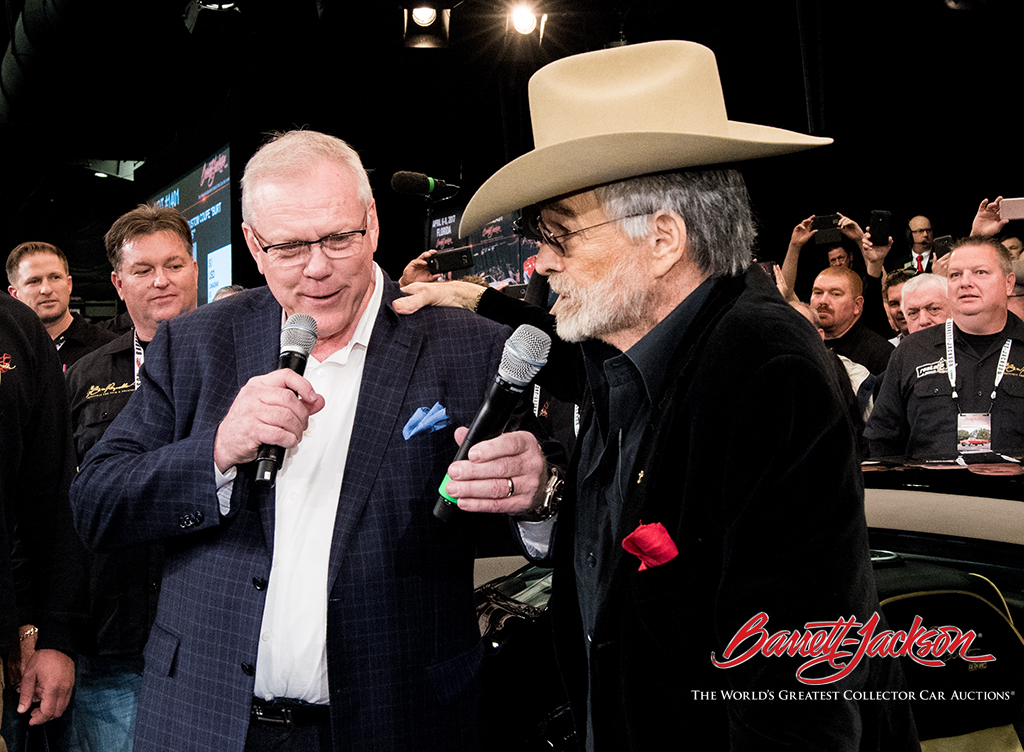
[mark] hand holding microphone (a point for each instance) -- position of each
(271, 411)
(500, 475)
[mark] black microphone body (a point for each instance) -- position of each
(418, 184)
(493, 415)
(269, 458)
(490, 421)
(525, 353)
(298, 337)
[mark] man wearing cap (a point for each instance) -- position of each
(711, 422)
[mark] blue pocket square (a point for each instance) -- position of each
(426, 420)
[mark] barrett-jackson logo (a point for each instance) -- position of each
(842, 644)
(212, 168)
(939, 366)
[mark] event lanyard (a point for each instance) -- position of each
(140, 356)
(1004, 357)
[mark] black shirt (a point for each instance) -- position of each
(861, 345)
(124, 585)
(914, 412)
(625, 386)
(80, 338)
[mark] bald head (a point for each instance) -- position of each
(837, 299)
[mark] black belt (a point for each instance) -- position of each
(285, 712)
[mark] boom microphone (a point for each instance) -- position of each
(418, 184)
(525, 353)
(298, 338)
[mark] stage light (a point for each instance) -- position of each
(193, 8)
(424, 16)
(429, 27)
(523, 19)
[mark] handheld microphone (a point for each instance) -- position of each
(298, 338)
(525, 353)
(418, 184)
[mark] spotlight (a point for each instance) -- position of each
(523, 19)
(424, 16)
(429, 29)
(193, 8)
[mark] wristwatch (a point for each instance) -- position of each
(552, 496)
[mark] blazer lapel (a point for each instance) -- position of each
(257, 344)
(390, 360)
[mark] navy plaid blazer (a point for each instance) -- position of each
(403, 646)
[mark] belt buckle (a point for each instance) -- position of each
(284, 719)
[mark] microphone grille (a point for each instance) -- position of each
(299, 334)
(415, 183)
(526, 352)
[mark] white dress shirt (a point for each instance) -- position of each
(292, 657)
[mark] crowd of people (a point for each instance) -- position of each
(912, 404)
(212, 610)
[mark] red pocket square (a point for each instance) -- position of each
(651, 544)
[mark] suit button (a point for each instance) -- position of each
(198, 517)
(154, 586)
(248, 669)
(591, 560)
(185, 521)
(259, 583)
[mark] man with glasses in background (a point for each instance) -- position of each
(921, 236)
(330, 610)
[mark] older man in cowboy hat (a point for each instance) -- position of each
(695, 525)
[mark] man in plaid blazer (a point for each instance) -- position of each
(332, 609)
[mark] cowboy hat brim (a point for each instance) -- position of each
(575, 165)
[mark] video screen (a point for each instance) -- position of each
(203, 196)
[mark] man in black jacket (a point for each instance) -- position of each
(39, 277)
(929, 409)
(150, 252)
(40, 608)
(694, 522)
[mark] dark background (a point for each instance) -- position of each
(921, 97)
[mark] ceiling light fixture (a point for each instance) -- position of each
(523, 19)
(193, 8)
(429, 28)
(424, 16)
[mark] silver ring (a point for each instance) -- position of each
(511, 488)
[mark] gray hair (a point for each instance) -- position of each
(923, 281)
(297, 152)
(713, 203)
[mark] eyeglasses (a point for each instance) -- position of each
(337, 245)
(532, 227)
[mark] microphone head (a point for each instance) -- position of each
(415, 183)
(298, 334)
(525, 353)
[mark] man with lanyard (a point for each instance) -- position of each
(150, 250)
(957, 389)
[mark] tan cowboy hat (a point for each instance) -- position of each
(618, 113)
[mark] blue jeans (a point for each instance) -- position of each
(106, 696)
